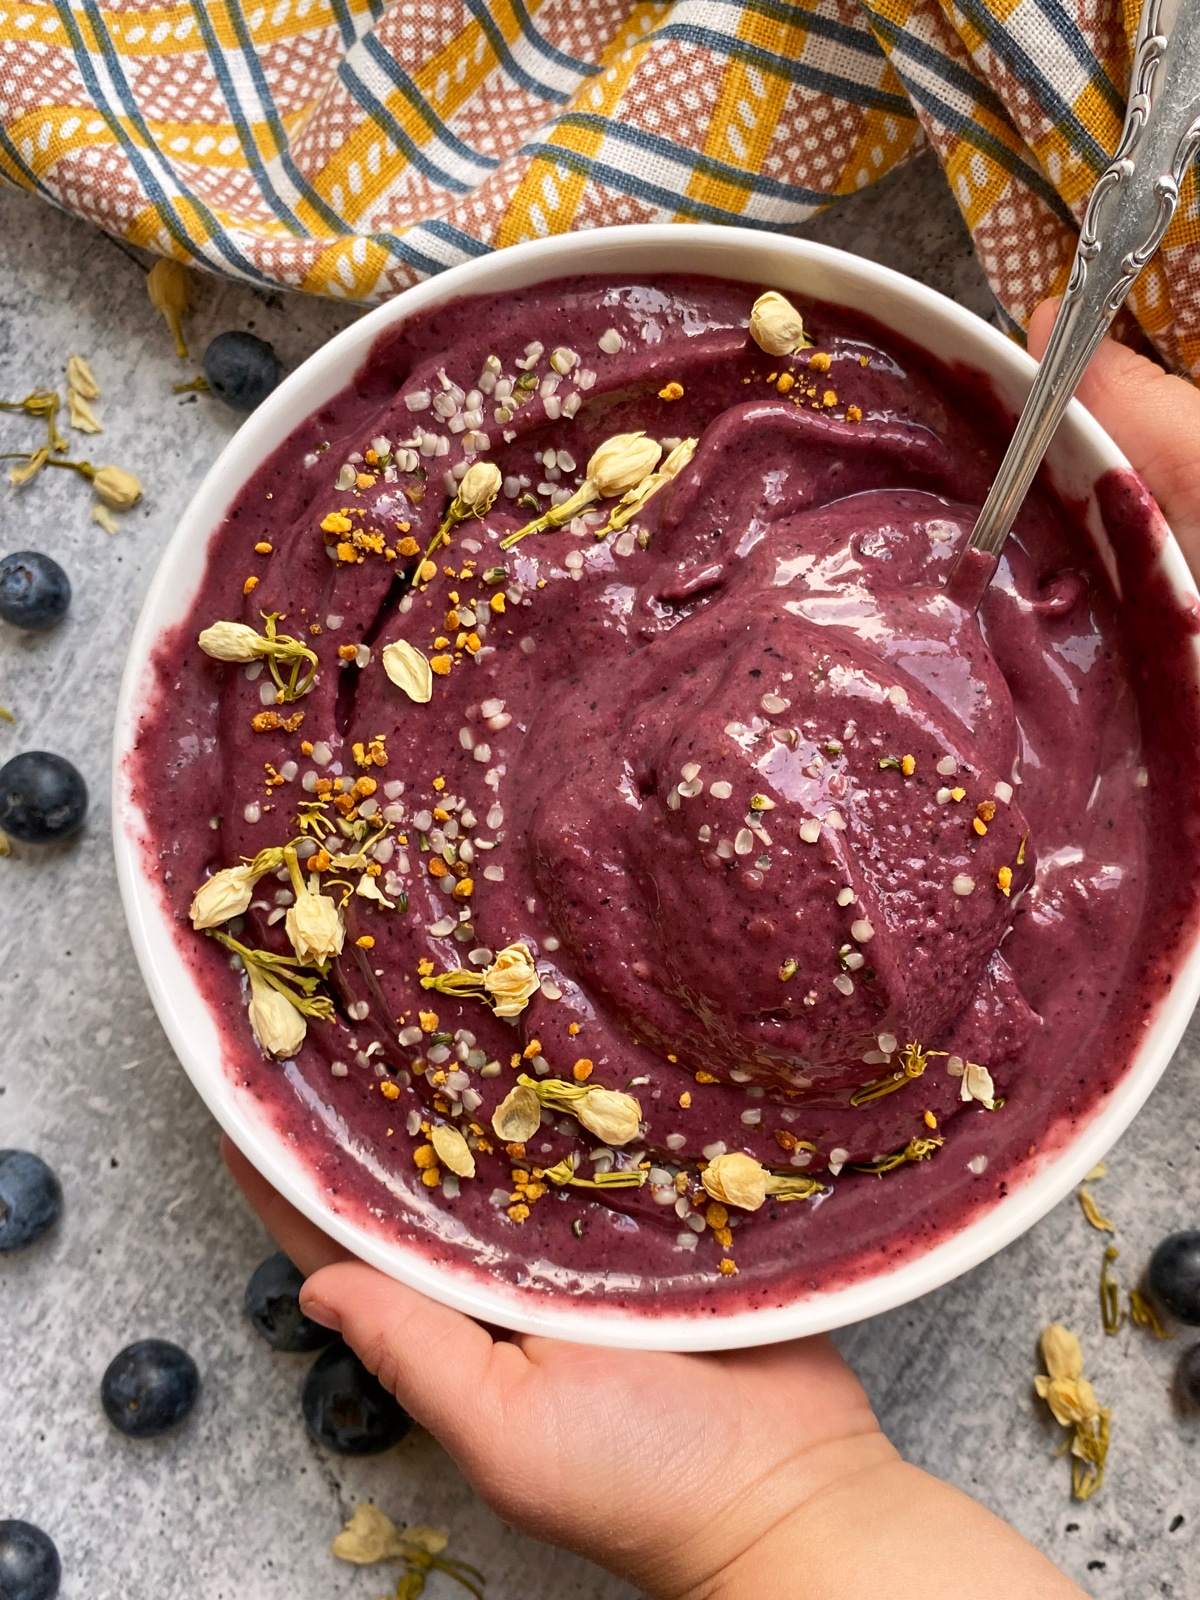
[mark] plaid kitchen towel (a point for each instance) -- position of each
(349, 147)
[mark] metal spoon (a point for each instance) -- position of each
(1129, 211)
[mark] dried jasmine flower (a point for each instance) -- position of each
(33, 465)
(477, 492)
(228, 893)
(634, 499)
(276, 981)
(370, 1537)
(737, 1179)
(453, 1151)
(1073, 1404)
(617, 466)
(114, 486)
(612, 1116)
(508, 983)
(913, 1061)
(776, 326)
(277, 1025)
(313, 923)
(238, 642)
(169, 289)
(409, 670)
(977, 1085)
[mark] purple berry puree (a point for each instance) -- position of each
(815, 864)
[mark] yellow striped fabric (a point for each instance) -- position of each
(350, 147)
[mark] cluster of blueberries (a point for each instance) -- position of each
(43, 798)
(152, 1385)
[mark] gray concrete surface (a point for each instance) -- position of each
(240, 1505)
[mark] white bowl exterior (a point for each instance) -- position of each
(1080, 454)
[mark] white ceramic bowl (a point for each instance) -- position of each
(1080, 454)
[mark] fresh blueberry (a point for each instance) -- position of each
(29, 1565)
(1174, 1276)
(34, 590)
(42, 797)
(1189, 1375)
(241, 369)
(30, 1199)
(349, 1411)
(273, 1306)
(149, 1388)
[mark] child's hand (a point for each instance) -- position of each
(753, 1473)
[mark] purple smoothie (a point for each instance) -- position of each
(765, 805)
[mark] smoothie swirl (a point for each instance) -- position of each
(691, 899)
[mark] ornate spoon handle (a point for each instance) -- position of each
(1129, 211)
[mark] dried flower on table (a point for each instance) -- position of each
(1073, 1403)
(169, 289)
(371, 1537)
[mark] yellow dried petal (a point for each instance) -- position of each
(82, 379)
(369, 1537)
(409, 670)
(1092, 1211)
(518, 1116)
(80, 415)
(453, 1150)
(103, 516)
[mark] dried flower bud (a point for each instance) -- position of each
(518, 1116)
(610, 1115)
(118, 489)
(511, 980)
(226, 894)
(453, 1151)
(313, 923)
(478, 490)
(977, 1085)
(231, 641)
(620, 463)
(82, 379)
(634, 499)
(409, 670)
(1062, 1352)
(278, 1026)
(776, 326)
(736, 1179)
(168, 286)
(23, 474)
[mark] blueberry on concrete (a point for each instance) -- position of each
(1174, 1276)
(34, 590)
(30, 1199)
(42, 797)
(241, 369)
(273, 1306)
(149, 1388)
(29, 1565)
(349, 1411)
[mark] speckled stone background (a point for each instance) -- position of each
(240, 1505)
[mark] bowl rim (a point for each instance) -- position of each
(747, 255)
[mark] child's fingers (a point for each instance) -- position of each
(441, 1366)
(1152, 416)
(303, 1241)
